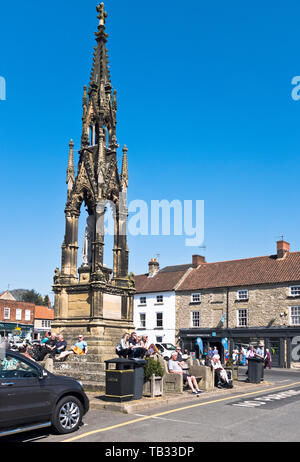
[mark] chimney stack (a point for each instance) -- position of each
(153, 266)
(283, 248)
(198, 260)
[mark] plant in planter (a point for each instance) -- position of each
(153, 378)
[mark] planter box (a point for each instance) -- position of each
(153, 387)
(235, 372)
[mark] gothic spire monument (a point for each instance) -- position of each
(93, 299)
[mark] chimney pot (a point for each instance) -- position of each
(153, 266)
(283, 248)
(198, 260)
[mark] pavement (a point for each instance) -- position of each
(97, 401)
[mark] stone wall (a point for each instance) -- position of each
(265, 304)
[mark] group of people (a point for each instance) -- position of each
(56, 347)
(134, 347)
(259, 353)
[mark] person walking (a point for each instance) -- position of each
(268, 359)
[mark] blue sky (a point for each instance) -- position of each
(204, 106)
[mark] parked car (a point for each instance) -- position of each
(31, 397)
(166, 349)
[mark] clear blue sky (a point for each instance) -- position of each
(205, 108)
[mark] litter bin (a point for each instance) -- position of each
(119, 380)
(255, 370)
(124, 379)
(138, 381)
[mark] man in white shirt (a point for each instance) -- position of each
(176, 368)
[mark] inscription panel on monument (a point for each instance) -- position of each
(112, 306)
(79, 305)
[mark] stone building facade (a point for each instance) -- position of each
(247, 301)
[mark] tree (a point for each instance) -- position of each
(32, 296)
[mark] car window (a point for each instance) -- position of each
(11, 367)
(169, 346)
(159, 347)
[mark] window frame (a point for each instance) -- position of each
(193, 320)
(158, 302)
(162, 320)
(141, 302)
(239, 295)
(196, 294)
(239, 317)
(142, 322)
(297, 287)
(6, 310)
(19, 314)
(27, 318)
(292, 316)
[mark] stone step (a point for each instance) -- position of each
(79, 366)
(84, 376)
(93, 386)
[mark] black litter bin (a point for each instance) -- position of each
(124, 379)
(255, 370)
(119, 380)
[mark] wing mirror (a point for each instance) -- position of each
(43, 374)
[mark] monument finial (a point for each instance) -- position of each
(102, 14)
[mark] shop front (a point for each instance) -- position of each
(12, 329)
(283, 343)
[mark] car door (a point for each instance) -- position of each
(24, 397)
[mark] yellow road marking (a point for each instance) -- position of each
(191, 406)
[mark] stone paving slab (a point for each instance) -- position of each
(144, 404)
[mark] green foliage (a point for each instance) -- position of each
(153, 366)
(32, 296)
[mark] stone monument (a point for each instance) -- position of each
(94, 300)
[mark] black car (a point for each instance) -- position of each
(31, 397)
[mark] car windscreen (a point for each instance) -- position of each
(168, 346)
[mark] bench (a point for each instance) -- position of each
(173, 383)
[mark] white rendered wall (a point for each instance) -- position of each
(150, 309)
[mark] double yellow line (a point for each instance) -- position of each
(160, 414)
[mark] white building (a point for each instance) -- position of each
(154, 301)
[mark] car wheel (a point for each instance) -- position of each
(67, 415)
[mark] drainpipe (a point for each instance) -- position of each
(227, 307)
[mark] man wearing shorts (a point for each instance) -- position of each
(175, 368)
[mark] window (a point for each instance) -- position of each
(143, 300)
(6, 313)
(27, 315)
(159, 319)
(242, 318)
(159, 340)
(159, 299)
(195, 318)
(295, 291)
(242, 295)
(46, 323)
(13, 368)
(18, 315)
(196, 298)
(142, 320)
(295, 315)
